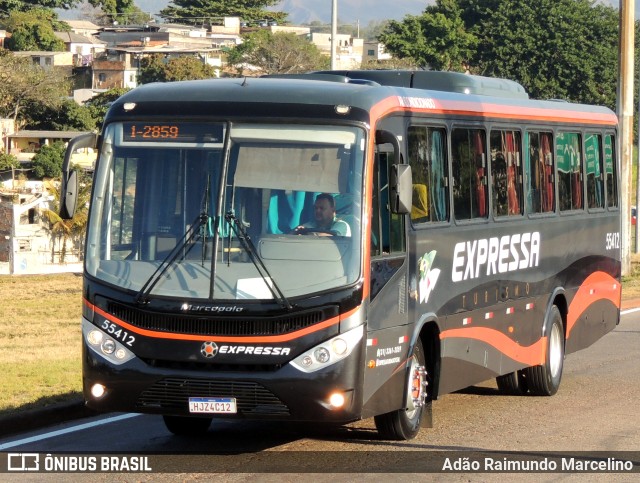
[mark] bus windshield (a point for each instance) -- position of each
(227, 211)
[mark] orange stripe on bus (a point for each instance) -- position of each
(532, 355)
(265, 339)
(479, 109)
(597, 286)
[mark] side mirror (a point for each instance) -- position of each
(400, 189)
(69, 188)
(69, 195)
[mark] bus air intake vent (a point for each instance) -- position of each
(174, 393)
(215, 325)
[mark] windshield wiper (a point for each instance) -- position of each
(193, 234)
(248, 245)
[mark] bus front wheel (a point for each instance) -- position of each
(544, 380)
(404, 424)
(187, 426)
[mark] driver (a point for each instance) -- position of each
(325, 220)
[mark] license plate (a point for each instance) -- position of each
(212, 405)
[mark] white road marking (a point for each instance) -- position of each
(630, 311)
(71, 429)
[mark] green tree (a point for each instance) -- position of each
(68, 116)
(47, 163)
(436, 39)
(279, 53)
(99, 105)
(64, 230)
(125, 12)
(555, 48)
(34, 30)
(8, 6)
(23, 83)
(564, 49)
(201, 10)
(8, 161)
(155, 69)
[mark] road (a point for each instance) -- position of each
(596, 409)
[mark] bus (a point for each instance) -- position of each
(483, 243)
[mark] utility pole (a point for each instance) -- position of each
(625, 120)
(334, 32)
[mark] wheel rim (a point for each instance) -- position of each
(416, 388)
(555, 351)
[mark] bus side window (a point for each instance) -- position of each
(595, 173)
(469, 177)
(539, 162)
(429, 168)
(611, 170)
(506, 173)
(569, 156)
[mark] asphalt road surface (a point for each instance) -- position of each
(595, 410)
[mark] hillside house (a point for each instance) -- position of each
(24, 144)
(84, 48)
(349, 50)
(27, 245)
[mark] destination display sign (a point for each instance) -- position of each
(159, 132)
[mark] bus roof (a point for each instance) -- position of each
(178, 98)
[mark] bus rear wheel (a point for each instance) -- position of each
(404, 424)
(544, 380)
(512, 384)
(187, 426)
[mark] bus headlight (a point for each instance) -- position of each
(329, 352)
(105, 345)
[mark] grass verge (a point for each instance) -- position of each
(40, 345)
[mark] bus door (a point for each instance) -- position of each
(388, 340)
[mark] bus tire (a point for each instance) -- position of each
(187, 426)
(544, 380)
(404, 424)
(512, 384)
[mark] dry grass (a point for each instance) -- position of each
(631, 282)
(40, 342)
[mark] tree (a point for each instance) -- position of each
(555, 48)
(564, 49)
(200, 10)
(155, 69)
(73, 229)
(279, 53)
(34, 30)
(391, 64)
(22, 83)
(436, 39)
(124, 12)
(8, 162)
(8, 6)
(47, 163)
(99, 105)
(67, 116)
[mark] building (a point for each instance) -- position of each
(84, 27)
(84, 48)
(374, 51)
(48, 60)
(348, 53)
(25, 144)
(27, 245)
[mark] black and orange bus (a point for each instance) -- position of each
(484, 243)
